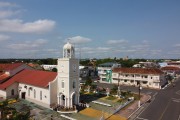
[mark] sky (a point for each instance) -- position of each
(148, 29)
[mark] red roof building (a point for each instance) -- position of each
(146, 77)
(3, 77)
(138, 70)
(9, 66)
(31, 77)
(171, 70)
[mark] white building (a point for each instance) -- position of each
(147, 77)
(48, 89)
(48, 67)
(68, 77)
(105, 70)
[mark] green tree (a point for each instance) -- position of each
(169, 78)
(88, 81)
(54, 69)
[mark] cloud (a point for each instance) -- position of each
(140, 47)
(175, 52)
(16, 25)
(27, 45)
(145, 42)
(4, 37)
(177, 45)
(7, 4)
(8, 22)
(117, 41)
(103, 48)
(92, 50)
(78, 40)
(8, 13)
(51, 50)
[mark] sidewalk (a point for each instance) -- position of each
(133, 107)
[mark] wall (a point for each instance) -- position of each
(3, 94)
(9, 89)
(152, 80)
(49, 67)
(53, 86)
(36, 99)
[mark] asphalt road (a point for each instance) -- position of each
(165, 106)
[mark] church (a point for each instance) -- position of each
(44, 88)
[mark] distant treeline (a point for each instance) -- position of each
(49, 61)
(85, 62)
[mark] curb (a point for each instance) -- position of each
(139, 107)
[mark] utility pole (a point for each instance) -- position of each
(119, 89)
(139, 102)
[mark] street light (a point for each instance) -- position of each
(139, 102)
(119, 90)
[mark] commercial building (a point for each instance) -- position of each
(146, 77)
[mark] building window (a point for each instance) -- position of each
(34, 93)
(103, 79)
(28, 92)
(12, 92)
(137, 75)
(40, 95)
(62, 84)
(145, 82)
(146, 76)
(125, 80)
(74, 84)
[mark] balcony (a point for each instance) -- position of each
(156, 80)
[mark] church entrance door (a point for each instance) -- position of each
(62, 100)
(23, 95)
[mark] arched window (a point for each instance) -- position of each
(62, 84)
(40, 95)
(74, 84)
(12, 92)
(28, 92)
(34, 93)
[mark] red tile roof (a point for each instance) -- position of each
(31, 77)
(9, 66)
(170, 68)
(138, 70)
(3, 77)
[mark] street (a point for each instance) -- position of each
(165, 106)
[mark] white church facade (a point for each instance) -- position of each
(48, 89)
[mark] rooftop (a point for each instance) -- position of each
(31, 77)
(170, 68)
(138, 70)
(9, 66)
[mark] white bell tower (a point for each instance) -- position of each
(68, 77)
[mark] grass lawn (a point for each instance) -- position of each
(111, 98)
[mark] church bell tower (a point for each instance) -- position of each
(68, 77)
